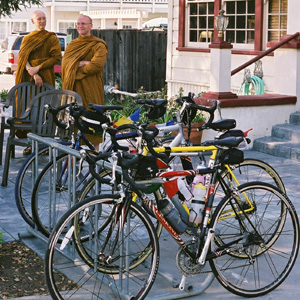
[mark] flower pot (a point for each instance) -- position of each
(195, 135)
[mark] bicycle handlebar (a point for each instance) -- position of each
(211, 110)
(54, 111)
(125, 160)
(144, 129)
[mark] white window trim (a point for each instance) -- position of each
(187, 28)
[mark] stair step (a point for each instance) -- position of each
(287, 131)
(295, 118)
(278, 147)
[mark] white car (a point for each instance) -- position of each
(10, 47)
(161, 23)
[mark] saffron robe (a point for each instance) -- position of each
(39, 48)
(87, 81)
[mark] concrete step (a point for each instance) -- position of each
(295, 118)
(278, 147)
(287, 131)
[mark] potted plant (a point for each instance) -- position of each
(3, 95)
(196, 122)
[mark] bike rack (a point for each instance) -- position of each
(183, 290)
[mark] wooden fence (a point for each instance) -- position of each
(136, 58)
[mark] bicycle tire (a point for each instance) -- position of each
(248, 171)
(262, 260)
(89, 190)
(44, 198)
(25, 182)
(87, 281)
(263, 172)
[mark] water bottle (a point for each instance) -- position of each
(172, 215)
(198, 203)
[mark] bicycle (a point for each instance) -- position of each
(43, 212)
(105, 235)
(228, 158)
(29, 171)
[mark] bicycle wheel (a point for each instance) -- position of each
(50, 200)
(249, 170)
(90, 190)
(256, 250)
(110, 249)
(25, 181)
(256, 170)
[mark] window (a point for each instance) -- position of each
(2, 31)
(252, 23)
(64, 26)
(277, 19)
(18, 26)
(241, 26)
(201, 22)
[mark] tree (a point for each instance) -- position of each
(7, 7)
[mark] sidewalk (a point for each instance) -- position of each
(14, 228)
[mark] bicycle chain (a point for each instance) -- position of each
(185, 264)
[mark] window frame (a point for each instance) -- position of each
(235, 30)
(66, 21)
(187, 42)
(182, 29)
(280, 14)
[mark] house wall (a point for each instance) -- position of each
(69, 10)
(191, 71)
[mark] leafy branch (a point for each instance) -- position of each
(7, 7)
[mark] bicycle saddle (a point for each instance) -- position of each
(223, 124)
(103, 108)
(153, 102)
(230, 142)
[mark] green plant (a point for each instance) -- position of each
(1, 239)
(3, 95)
(129, 105)
(173, 106)
(58, 82)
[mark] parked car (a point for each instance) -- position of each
(157, 23)
(10, 48)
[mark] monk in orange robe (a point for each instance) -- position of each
(39, 52)
(82, 67)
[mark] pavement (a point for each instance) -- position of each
(15, 229)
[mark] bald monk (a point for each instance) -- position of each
(82, 67)
(39, 52)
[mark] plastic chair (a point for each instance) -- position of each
(39, 123)
(19, 97)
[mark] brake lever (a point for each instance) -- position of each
(46, 109)
(114, 167)
(219, 109)
(82, 153)
(68, 117)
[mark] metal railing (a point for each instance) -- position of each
(54, 147)
(268, 51)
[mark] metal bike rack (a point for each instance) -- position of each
(54, 147)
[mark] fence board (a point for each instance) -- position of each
(136, 58)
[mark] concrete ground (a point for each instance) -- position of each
(14, 228)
